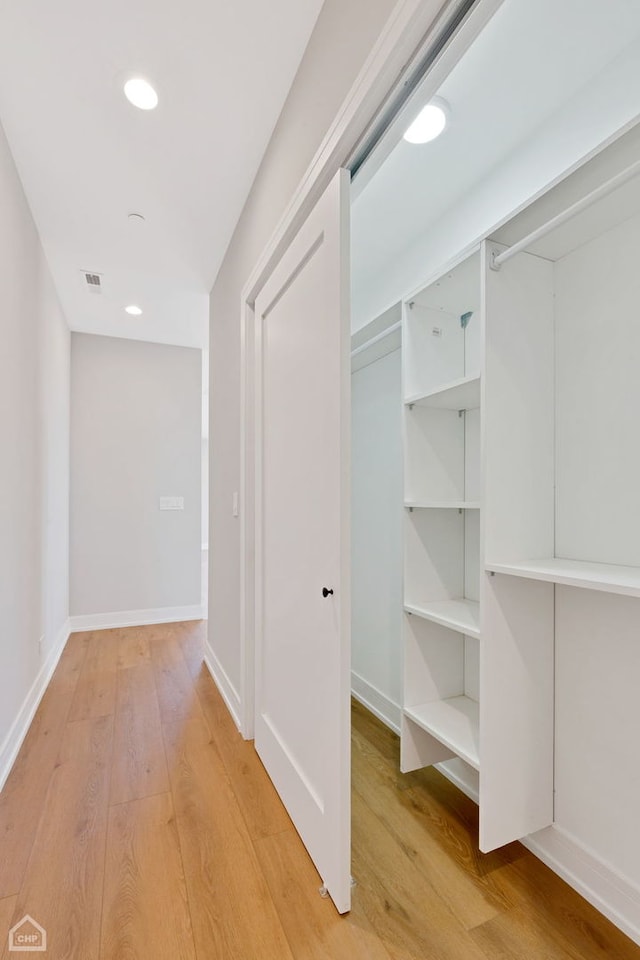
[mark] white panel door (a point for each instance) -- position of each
(302, 727)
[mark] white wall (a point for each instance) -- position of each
(343, 37)
(376, 535)
(34, 478)
(135, 437)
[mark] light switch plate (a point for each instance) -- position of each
(172, 503)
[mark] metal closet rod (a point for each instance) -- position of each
(607, 187)
(378, 337)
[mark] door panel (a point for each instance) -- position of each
(302, 535)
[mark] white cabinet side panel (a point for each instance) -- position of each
(473, 341)
(472, 554)
(598, 373)
(472, 668)
(518, 409)
(472, 485)
(516, 709)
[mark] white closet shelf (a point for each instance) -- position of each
(442, 504)
(455, 722)
(463, 394)
(460, 615)
(606, 577)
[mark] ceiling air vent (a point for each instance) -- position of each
(93, 281)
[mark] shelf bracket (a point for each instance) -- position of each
(492, 260)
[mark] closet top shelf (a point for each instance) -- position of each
(462, 394)
(606, 577)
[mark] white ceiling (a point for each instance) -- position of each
(531, 59)
(88, 158)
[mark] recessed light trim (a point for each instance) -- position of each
(430, 122)
(140, 93)
(133, 310)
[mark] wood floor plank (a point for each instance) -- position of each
(469, 901)
(263, 810)
(447, 817)
(139, 766)
(374, 732)
(191, 637)
(133, 647)
(518, 935)
(177, 696)
(405, 910)
(567, 915)
(232, 911)
(7, 912)
(63, 883)
(146, 912)
(96, 689)
(22, 798)
(314, 928)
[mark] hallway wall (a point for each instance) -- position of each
(135, 438)
(34, 479)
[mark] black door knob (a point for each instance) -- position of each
(326, 592)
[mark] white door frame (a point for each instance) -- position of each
(406, 35)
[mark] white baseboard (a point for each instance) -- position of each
(221, 679)
(20, 726)
(134, 618)
(377, 702)
(612, 894)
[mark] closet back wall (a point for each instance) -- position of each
(376, 525)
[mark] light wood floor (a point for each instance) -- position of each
(137, 824)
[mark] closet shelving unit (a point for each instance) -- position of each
(532, 547)
(441, 357)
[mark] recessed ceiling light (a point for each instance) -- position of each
(133, 310)
(429, 123)
(140, 93)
